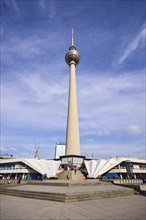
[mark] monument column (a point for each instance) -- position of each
(72, 58)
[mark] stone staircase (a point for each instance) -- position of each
(71, 174)
(34, 195)
(67, 196)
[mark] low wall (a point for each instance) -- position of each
(136, 184)
(142, 189)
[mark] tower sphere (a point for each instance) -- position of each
(72, 55)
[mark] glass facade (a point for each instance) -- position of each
(11, 166)
(14, 170)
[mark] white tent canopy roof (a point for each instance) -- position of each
(96, 168)
(42, 166)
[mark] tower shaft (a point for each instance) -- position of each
(72, 133)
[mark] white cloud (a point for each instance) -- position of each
(111, 149)
(12, 4)
(40, 102)
(26, 48)
(133, 129)
(111, 102)
(133, 45)
(30, 47)
(13, 149)
(35, 78)
(89, 133)
(42, 4)
(1, 30)
(15, 6)
(52, 9)
(3, 149)
(32, 100)
(104, 132)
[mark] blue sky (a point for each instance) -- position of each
(110, 37)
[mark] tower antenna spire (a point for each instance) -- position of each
(72, 37)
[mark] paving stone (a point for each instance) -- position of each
(120, 208)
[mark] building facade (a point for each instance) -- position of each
(112, 168)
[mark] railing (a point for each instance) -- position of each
(14, 171)
(128, 181)
(118, 171)
(142, 168)
(8, 181)
(12, 168)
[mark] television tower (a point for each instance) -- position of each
(72, 58)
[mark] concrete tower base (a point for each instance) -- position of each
(71, 165)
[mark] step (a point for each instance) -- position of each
(67, 197)
(35, 195)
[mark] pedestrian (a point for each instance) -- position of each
(67, 177)
(19, 179)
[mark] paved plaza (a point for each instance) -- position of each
(57, 189)
(75, 191)
(119, 208)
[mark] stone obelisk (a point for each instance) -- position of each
(72, 58)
